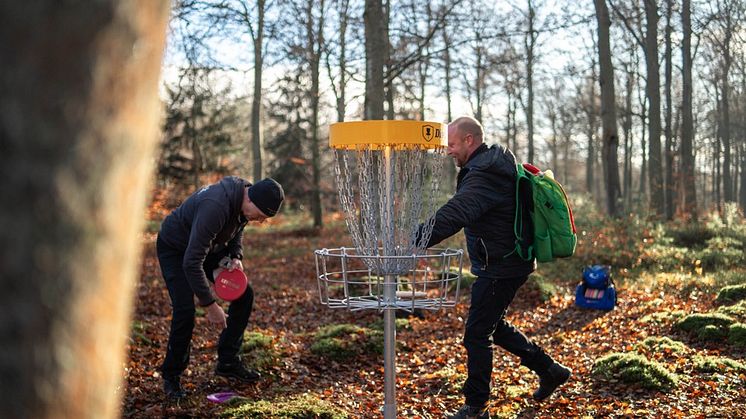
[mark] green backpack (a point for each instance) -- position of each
(541, 198)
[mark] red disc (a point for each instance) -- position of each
(229, 285)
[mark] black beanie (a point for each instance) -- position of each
(267, 195)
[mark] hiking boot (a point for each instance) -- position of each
(554, 376)
(470, 412)
(238, 371)
(172, 387)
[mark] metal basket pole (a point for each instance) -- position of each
(389, 292)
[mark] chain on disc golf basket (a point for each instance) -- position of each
(388, 173)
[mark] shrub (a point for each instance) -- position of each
(737, 335)
(298, 407)
(342, 341)
(635, 368)
(698, 321)
(732, 293)
(666, 345)
(717, 364)
(721, 253)
(691, 235)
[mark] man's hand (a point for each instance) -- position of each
(216, 315)
(230, 264)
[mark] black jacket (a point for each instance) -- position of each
(209, 221)
(484, 206)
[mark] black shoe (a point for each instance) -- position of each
(172, 388)
(469, 412)
(238, 371)
(556, 375)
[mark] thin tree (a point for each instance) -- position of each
(608, 111)
(79, 83)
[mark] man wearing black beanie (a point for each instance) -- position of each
(202, 234)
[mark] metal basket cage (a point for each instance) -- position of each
(346, 280)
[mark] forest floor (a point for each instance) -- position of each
(430, 359)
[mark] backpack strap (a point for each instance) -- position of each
(522, 225)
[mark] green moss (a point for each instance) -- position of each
(712, 333)
(698, 321)
(662, 317)
(732, 293)
(655, 344)
(259, 351)
(635, 368)
(467, 279)
(737, 335)
(737, 311)
(256, 340)
(305, 406)
(717, 364)
(545, 288)
(342, 341)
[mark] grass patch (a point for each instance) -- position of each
(732, 293)
(717, 364)
(467, 279)
(401, 324)
(304, 406)
(339, 342)
(635, 368)
(668, 346)
(737, 335)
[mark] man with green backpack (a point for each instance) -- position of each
(502, 257)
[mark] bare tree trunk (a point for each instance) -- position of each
(450, 168)
(315, 37)
(627, 128)
(668, 180)
(344, 6)
(78, 126)
(653, 90)
(256, 100)
(687, 126)
(608, 111)
(530, 42)
(728, 195)
(376, 42)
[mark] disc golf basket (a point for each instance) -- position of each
(388, 173)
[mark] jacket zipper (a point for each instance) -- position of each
(486, 254)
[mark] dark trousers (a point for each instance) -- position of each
(182, 321)
(486, 325)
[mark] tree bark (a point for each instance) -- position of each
(655, 168)
(530, 42)
(315, 38)
(668, 180)
(376, 43)
(608, 111)
(78, 128)
(256, 101)
(687, 119)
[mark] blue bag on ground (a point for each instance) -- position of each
(596, 290)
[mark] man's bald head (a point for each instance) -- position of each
(468, 125)
(464, 136)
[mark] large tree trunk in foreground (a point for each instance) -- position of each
(78, 124)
